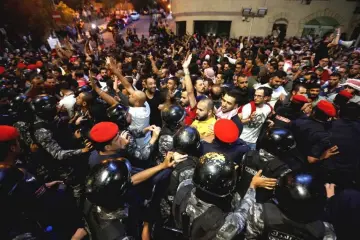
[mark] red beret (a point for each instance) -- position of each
(345, 94)
(226, 130)
(2, 70)
(39, 64)
(8, 133)
(104, 132)
(21, 65)
(32, 67)
(327, 108)
(300, 99)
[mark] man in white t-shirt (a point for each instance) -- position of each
(253, 119)
(140, 115)
(275, 83)
(68, 99)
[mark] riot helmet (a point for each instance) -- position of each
(119, 115)
(278, 140)
(187, 141)
(300, 196)
(108, 182)
(215, 175)
(173, 116)
(44, 106)
(20, 107)
(85, 88)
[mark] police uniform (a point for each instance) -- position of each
(312, 136)
(226, 141)
(343, 168)
(206, 206)
(287, 113)
(295, 212)
(267, 222)
(51, 158)
(254, 161)
(172, 119)
(107, 209)
(233, 222)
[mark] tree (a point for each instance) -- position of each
(140, 4)
(67, 14)
(31, 16)
(74, 4)
(109, 4)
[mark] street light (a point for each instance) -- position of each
(169, 6)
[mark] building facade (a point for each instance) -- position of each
(295, 17)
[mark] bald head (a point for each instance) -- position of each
(205, 109)
(137, 99)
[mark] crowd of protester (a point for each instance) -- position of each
(184, 137)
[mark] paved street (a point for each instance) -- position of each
(142, 28)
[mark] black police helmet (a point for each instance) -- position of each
(108, 182)
(44, 106)
(85, 88)
(173, 116)
(10, 177)
(215, 175)
(187, 141)
(278, 140)
(20, 104)
(118, 114)
(300, 196)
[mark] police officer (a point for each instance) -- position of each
(186, 143)
(311, 134)
(287, 113)
(49, 159)
(274, 157)
(226, 141)
(207, 206)
(172, 121)
(29, 207)
(111, 196)
(295, 212)
(343, 168)
(107, 209)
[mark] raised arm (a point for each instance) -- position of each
(105, 96)
(188, 84)
(111, 63)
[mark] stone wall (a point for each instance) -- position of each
(295, 14)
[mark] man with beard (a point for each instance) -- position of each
(275, 82)
(205, 118)
(188, 100)
(354, 71)
(139, 108)
(314, 94)
(332, 87)
(245, 94)
(153, 97)
(50, 85)
(253, 119)
(216, 94)
(37, 86)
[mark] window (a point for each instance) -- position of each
(181, 28)
(219, 28)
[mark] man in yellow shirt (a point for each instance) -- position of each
(205, 119)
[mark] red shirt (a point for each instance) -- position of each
(190, 115)
(324, 76)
